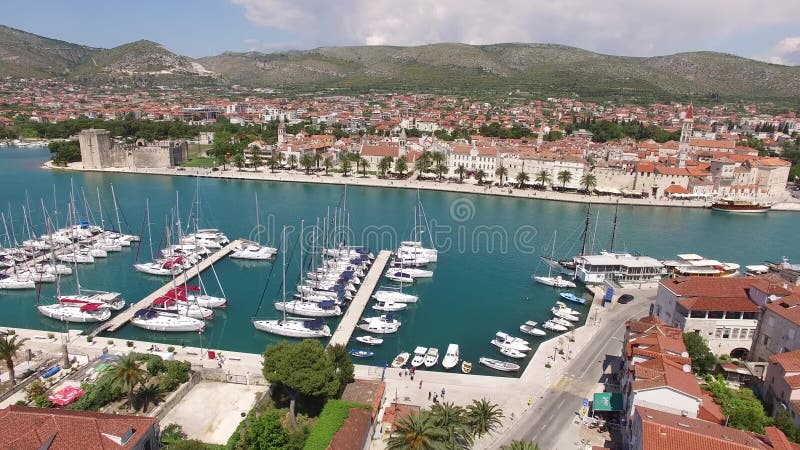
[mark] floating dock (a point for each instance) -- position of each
(127, 314)
(350, 318)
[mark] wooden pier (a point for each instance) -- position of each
(127, 314)
(351, 317)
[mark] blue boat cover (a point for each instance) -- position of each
(313, 324)
(327, 304)
(146, 314)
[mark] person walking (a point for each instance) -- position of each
(429, 395)
(442, 392)
(420, 384)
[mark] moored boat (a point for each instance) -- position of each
(529, 327)
(451, 356)
(419, 356)
(739, 206)
(466, 367)
(400, 360)
(432, 357)
(361, 353)
(512, 353)
(153, 320)
(570, 297)
(369, 340)
(503, 366)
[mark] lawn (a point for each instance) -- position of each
(201, 162)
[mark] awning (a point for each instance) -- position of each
(66, 396)
(607, 401)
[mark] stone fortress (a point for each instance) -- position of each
(98, 151)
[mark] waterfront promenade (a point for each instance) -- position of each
(127, 314)
(467, 187)
(350, 318)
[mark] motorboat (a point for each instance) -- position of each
(557, 282)
(739, 206)
(466, 367)
(504, 340)
(432, 357)
(451, 357)
(419, 356)
(389, 306)
(550, 325)
(396, 296)
(361, 353)
(325, 308)
(512, 353)
(570, 297)
(529, 327)
(15, 282)
(563, 307)
(400, 360)
(384, 324)
(560, 313)
(503, 366)
(413, 272)
(369, 340)
(153, 320)
(296, 328)
(168, 305)
(83, 313)
(253, 251)
(755, 270)
(562, 322)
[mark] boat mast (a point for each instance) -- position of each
(100, 205)
(116, 209)
(614, 228)
(585, 231)
(283, 285)
(258, 224)
(149, 234)
(55, 207)
(300, 276)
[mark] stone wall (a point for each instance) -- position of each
(97, 152)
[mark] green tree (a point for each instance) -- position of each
(703, 361)
(416, 432)
(342, 365)
(422, 163)
(521, 445)
(785, 423)
(742, 408)
(501, 172)
(565, 176)
(440, 169)
(484, 416)
(238, 160)
(461, 171)
(522, 178)
(265, 433)
(384, 165)
(307, 161)
(256, 159)
(589, 182)
(480, 175)
(302, 368)
(292, 161)
(150, 394)
(127, 375)
(275, 161)
(454, 421)
(543, 177)
(401, 165)
(364, 165)
(328, 164)
(9, 346)
(345, 165)
(317, 159)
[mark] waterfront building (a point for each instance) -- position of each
(624, 269)
(779, 328)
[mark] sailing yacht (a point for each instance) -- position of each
(390, 306)
(13, 282)
(325, 308)
(79, 313)
(168, 305)
(387, 295)
(253, 250)
(184, 293)
(550, 280)
(154, 320)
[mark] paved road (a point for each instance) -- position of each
(550, 421)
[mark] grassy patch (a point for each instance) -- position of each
(201, 162)
(333, 416)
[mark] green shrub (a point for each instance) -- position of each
(51, 336)
(89, 339)
(35, 389)
(177, 373)
(155, 366)
(171, 349)
(21, 403)
(330, 420)
(42, 402)
(12, 332)
(172, 433)
(110, 342)
(129, 343)
(99, 394)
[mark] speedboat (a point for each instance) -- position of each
(400, 360)
(253, 251)
(451, 357)
(557, 282)
(560, 313)
(83, 313)
(431, 357)
(550, 325)
(570, 297)
(562, 322)
(389, 306)
(419, 356)
(563, 307)
(502, 366)
(153, 320)
(325, 308)
(369, 340)
(466, 367)
(396, 296)
(504, 340)
(361, 353)
(384, 324)
(511, 353)
(529, 327)
(414, 273)
(296, 328)
(399, 276)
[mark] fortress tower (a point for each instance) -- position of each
(686, 134)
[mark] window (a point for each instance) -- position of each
(751, 333)
(716, 314)
(750, 315)
(718, 333)
(734, 333)
(771, 322)
(726, 333)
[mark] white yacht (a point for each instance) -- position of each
(192, 294)
(112, 299)
(502, 366)
(168, 305)
(253, 251)
(390, 306)
(15, 282)
(76, 257)
(296, 328)
(385, 295)
(325, 308)
(451, 357)
(692, 265)
(431, 357)
(557, 282)
(564, 308)
(504, 340)
(529, 327)
(550, 325)
(562, 314)
(369, 340)
(563, 322)
(161, 268)
(153, 320)
(84, 313)
(512, 353)
(419, 356)
(384, 324)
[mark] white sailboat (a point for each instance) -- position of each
(253, 250)
(325, 308)
(83, 313)
(390, 306)
(549, 280)
(387, 295)
(451, 357)
(154, 320)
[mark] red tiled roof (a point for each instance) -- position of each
(789, 361)
(661, 372)
(353, 433)
(719, 304)
(676, 189)
(708, 286)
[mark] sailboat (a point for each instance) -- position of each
(253, 250)
(160, 267)
(296, 328)
(549, 280)
(155, 320)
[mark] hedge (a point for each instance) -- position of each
(330, 420)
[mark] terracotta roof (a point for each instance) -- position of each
(676, 189)
(712, 143)
(789, 361)
(710, 410)
(22, 428)
(380, 150)
(672, 171)
(661, 372)
(368, 392)
(708, 286)
(719, 304)
(354, 431)
(786, 307)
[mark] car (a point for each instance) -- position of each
(625, 298)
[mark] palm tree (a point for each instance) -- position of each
(384, 165)
(8, 351)
(275, 161)
(423, 162)
(292, 161)
(522, 178)
(127, 374)
(317, 160)
(364, 165)
(589, 181)
(521, 445)
(453, 419)
(501, 172)
(543, 177)
(484, 416)
(256, 159)
(480, 175)
(565, 176)
(238, 160)
(344, 165)
(401, 165)
(416, 432)
(150, 394)
(307, 161)
(438, 158)
(461, 171)
(441, 169)
(328, 164)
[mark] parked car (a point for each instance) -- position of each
(625, 298)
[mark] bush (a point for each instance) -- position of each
(21, 403)
(743, 409)
(333, 416)
(35, 389)
(177, 373)
(89, 339)
(99, 394)
(42, 402)
(51, 336)
(703, 361)
(171, 349)
(12, 332)
(172, 433)
(110, 342)
(129, 343)
(155, 366)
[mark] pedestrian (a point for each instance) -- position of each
(442, 392)
(420, 384)
(412, 376)
(530, 399)
(429, 395)
(401, 374)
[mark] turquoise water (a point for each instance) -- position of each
(489, 247)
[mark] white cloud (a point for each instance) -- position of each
(787, 51)
(630, 27)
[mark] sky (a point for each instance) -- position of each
(765, 30)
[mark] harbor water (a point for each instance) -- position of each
(488, 248)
